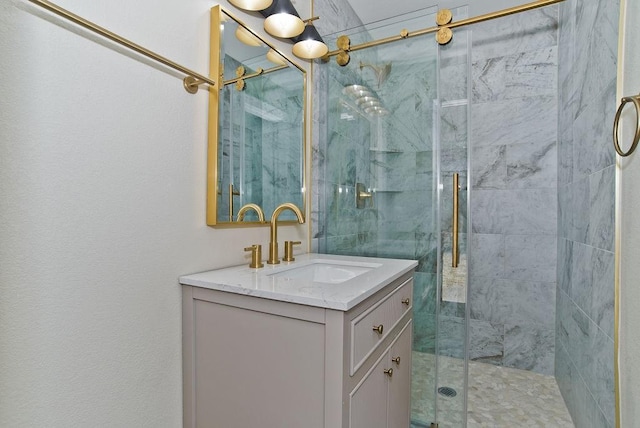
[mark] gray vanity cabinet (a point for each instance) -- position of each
(255, 362)
(382, 398)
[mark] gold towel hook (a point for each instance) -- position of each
(616, 144)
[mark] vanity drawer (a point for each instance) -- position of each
(371, 327)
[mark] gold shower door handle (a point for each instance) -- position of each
(456, 212)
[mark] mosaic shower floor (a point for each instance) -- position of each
(499, 397)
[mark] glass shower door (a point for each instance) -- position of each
(452, 177)
(387, 190)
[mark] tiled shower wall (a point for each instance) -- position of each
(254, 144)
(513, 181)
(337, 15)
(537, 202)
(513, 192)
(586, 197)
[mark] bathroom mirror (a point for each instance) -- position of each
(256, 127)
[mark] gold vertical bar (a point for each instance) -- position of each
(212, 143)
(230, 202)
(456, 210)
(232, 193)
(617, 286)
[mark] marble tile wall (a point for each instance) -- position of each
(542, 180)
(281, 152)
(586, 199)
(513, 181)
(392, 155)
(268, 145)
(514, 152)
(336, 16)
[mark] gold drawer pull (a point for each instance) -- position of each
(406, 301)
(378, 328)
(396, 360)
(389, 372)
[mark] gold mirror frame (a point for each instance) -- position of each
(218, 16)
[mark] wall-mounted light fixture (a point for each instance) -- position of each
(254, 5)
(275, 58)
(246, 37)
(309, 44)
(283, 21)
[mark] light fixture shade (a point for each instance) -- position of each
(282, 20)
(246, 37)
(254, 5)
(275, 57)
(309, 44)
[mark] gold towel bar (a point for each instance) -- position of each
(616, 144)
(191, 82)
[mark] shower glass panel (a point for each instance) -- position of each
(388, 174)
(452, 174)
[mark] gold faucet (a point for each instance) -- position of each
(273, 245)
(242, 211)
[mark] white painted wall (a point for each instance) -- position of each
(628, 221)
(102, 180)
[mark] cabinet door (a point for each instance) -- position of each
(368, 402)
(254, 369)
(400, 383)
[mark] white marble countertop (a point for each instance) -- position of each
(271, 282)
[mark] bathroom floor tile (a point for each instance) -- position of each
(499, 397)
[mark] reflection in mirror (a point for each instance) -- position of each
(256, 140)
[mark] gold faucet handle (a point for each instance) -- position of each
(288, 250)
(256, 256)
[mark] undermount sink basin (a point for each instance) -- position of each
(327, 271)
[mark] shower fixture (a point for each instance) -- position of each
(357, 91)
(363, 195)
(381, 72)
(365, 99)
